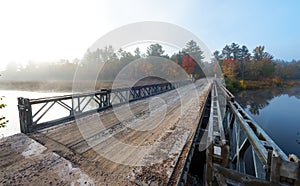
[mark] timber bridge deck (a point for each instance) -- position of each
(188, 133)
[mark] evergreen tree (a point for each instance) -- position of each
(155, 50)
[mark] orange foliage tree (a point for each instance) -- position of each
(230, 67)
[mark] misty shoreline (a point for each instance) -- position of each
(68, 86)
(51, 86)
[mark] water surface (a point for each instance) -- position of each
(277, 111)
(11, 110)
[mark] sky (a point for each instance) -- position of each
(35, 30)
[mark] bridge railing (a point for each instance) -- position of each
(33, 112)
(254, 158)
(217, 147)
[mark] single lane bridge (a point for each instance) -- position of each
(177, 133)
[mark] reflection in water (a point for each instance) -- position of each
(277, 111)
(255, 100)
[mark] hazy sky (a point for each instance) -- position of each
(50, 30)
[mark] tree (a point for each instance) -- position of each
(230, 64)
(236, 54)
(226, 52)
(259, 53)
(3, 120)
(244, 53)
(235, 49)
(188, 64)
(230, 68)
(194, 51)
(217, 55)
(191, 47)
(125, 57)
(137, 53)
(102, 55)
(268, 68)
(260, 70)
(244, 56)
(155, 50)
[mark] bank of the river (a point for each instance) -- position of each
(265, 84)
(240, 85)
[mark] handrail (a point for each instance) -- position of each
(101, 91)
(78, 104)
(252, 128)
(271, 164)
(229, 95)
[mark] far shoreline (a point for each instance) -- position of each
(67, 86)
(239, 85)
(253, 85)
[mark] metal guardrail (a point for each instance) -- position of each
(79, 104)
(254, 158)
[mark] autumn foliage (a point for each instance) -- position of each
(230, 68)
(188, 64)
(243, 69)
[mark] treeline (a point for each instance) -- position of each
(40, 71)
(106, 63)
(242, 68)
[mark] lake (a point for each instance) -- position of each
(277, 111)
